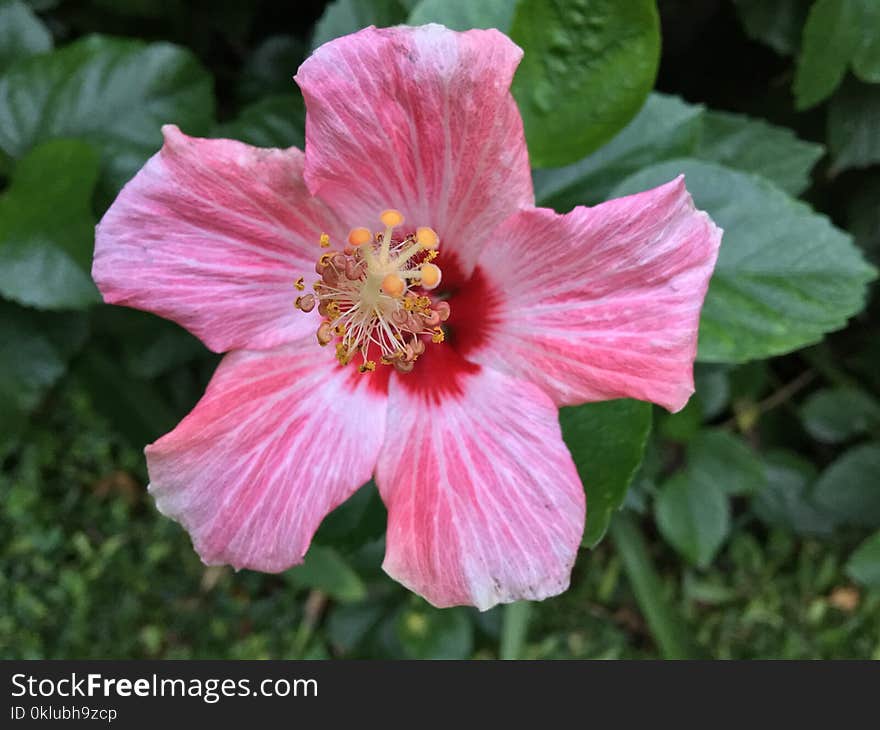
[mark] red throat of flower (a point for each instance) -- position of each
(373, 295)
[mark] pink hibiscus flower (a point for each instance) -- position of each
(440, 319)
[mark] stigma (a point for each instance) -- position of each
(373, 295)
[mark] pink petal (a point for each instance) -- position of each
(484, 503)
(279, 439)
(603, 302)
(212, 233)
(421, 120)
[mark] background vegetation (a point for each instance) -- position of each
(744, 526)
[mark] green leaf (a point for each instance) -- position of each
(114, 93)
(342, 17)
(426, 633)
(607, 441)
(587, 70)
(777, 23)
(718, 457)
(863, 216)
(854, 126)
(866, 59)
(786, 501)
(693, 517)
(47, 227)
(21, 33)
(785, 276)
(849, 487)
(464, 14)
(325, 570)
(665, 128)
(358, 520)
(864, 564)
(834, 415)
(837, 33)
(276, 121)
(830, 35)
(753, 145)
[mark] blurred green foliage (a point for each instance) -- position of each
(751, 517)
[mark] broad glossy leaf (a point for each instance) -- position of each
(325, 570)
(850, 487)
(47, 227)
(115, 93)
(785, 275)
(834, 415)
(342, 17)
(693, 517)
(587, 70)
(837, 33)
(785, 500)
(35, 348)
(665, 128)
(854, 126)
(464, 14)
(778, 23)
(607, 441)
(276, 121)
(719, 457)
(21, 32)
(753, 145)
(864, 564)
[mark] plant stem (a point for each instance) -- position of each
(514, 627)
(667, 627)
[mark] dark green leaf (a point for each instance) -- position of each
(426, 633)
(358, 520)
(607, 441)
(718, 457)
(785, 276)
(342, 17)
(850, 487)
(693, 517)
(854, 126)
(777, 23)
(21, 33)
(712, 384)
(785, 500)
(115, 93)
(587, 70)
(666, 127)
(753, 145)
(276, 121)
(464, 14)
(47, 227)
(325, 570)
(864, 564)
(837, 33)
(834, 415)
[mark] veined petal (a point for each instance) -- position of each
(212, 234)
(420, 120)
(484, 503)
(279, 439)
(603, 302)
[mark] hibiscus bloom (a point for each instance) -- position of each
(394, 305)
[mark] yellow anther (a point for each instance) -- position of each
(368, 367)
(391, 218)
(393, 285)
(432, 255)
(339, 329)
(431, 275)
(343, 355)
(438, 336)
(427, 237)
(300, 283)
(359, 236)
(325, 240)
